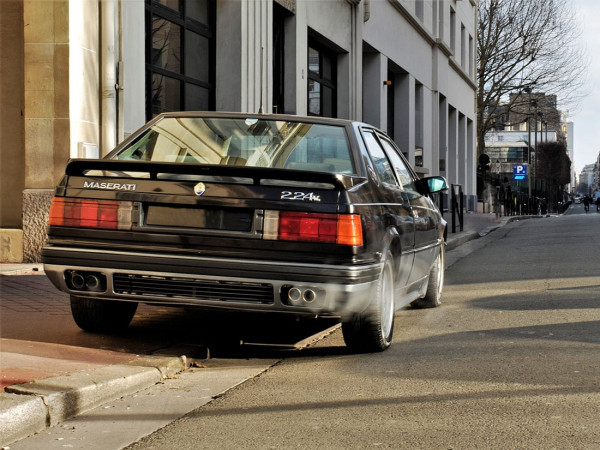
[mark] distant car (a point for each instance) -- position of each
(303, 216)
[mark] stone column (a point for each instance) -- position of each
(46, 114)
(12, 159)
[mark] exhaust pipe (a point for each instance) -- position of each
(294, 296)
(92, 283)
(85, 281)
(298, 296)
(309, 296)
(77, 281)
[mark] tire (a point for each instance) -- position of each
(102, 316)
(435, 284)
(373, 329)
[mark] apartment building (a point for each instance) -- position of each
(78, 76)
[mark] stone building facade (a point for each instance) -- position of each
(78, 76)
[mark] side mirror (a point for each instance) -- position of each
(431, 185)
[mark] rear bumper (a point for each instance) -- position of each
(216, 283)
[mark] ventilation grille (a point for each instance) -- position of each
(174, 287)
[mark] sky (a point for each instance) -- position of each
(586, 118)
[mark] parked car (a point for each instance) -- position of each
(250, 213)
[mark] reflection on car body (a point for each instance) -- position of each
(251, 213)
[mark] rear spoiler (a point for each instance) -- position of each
(80, 167)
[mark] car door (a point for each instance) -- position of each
(394, 204)
(423, 211)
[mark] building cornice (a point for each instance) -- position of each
(464, 75)
(416, 23)
(434, 42)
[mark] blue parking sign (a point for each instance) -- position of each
(520, 172)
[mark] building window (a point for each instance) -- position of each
(463, 47)
(441, 21)
(471, 55)
(322, 96)
(381, 162)
(419, 10)
(452, 31)
(419, 119)
(434, 18)
(180, 55)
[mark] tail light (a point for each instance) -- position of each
(89, 213)
(345, 229)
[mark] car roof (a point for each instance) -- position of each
(284, 117)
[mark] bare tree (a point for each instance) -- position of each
(525, 46)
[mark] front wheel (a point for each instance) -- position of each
(102, 316)
(372, 330)
(435, 285)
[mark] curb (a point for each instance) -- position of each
(29, 408)
(457, 242)
(21, 269)
(470, 236)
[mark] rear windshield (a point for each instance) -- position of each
(244, 142)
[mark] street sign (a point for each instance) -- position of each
(520, 172)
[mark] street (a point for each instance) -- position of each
(299, 224)
(510, 360)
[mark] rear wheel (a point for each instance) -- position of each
(372, 330)
(102, 316)
(435, 285)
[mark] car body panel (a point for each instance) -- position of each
(189, 233)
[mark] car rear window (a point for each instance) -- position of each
(244, 142)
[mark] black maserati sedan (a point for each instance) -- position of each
(249, 213)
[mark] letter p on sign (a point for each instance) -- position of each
(519, 172)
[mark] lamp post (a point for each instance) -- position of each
(539, 115)
(532, 102)
(528, 90)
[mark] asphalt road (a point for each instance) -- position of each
(510, 360)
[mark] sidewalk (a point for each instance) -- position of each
(475, 226)
(46, 383)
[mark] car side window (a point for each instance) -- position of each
(406, 179)
(382, 164)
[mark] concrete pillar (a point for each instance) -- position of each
(374, 92)
(132, 92)
(462, 150)
(405, 115)
(471, 180)
(109, 52)
(442, 135)
(244, 56)
(355, 70)
(84, 87)
(430, 126)
(452, 161)
(300, 54)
